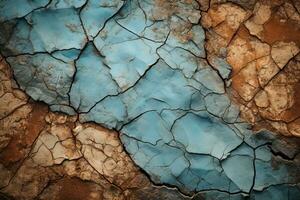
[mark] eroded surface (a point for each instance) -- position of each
(179, 81)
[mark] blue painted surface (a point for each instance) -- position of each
(18, 8)
(136, 75)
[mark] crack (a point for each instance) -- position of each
(112, 17)
(283, 155)
(33, 10)
(23, 161)
(124, 91)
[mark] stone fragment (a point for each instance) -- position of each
(282, 52)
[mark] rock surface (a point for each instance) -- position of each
(160, 99)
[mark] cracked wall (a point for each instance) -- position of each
(160, 99)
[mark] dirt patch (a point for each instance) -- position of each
(24, 138)
(277, 29)
(73, 188)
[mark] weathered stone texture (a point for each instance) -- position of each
(131, 99)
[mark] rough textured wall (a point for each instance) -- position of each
(152, 99)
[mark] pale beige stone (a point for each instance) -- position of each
(63, 151)
(61, 131)
(281, 127)
(43, 156)
(8, 103)
(94, 157)
(242, 51)
(48, 139)
(278, 98)
(291, 12)
(222, 21)
(81, 169)
(254, 29)
(282, 52)
(246, 82)
(110, 164)
(91, 135)
(262, 13)
(261, 99)
(109, 150)
(56, 118)
(267, 69)
(294, 128)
